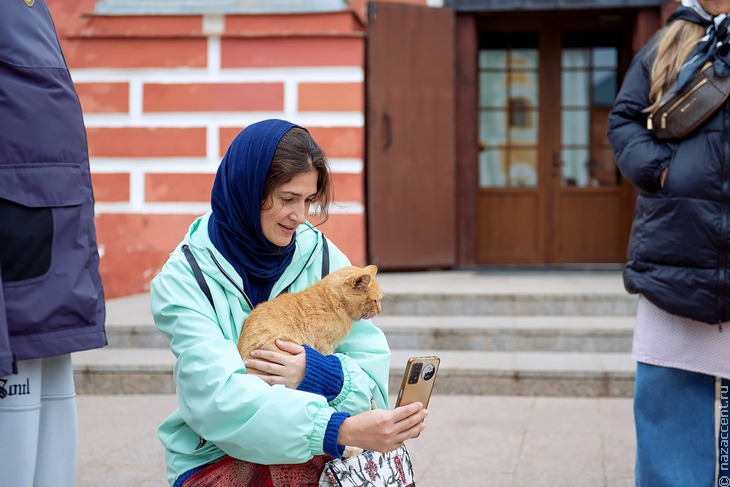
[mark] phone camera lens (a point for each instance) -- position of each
(429, 371)
(415, 372)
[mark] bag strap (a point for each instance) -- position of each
(204, 285)
(198, 274)
(325, 257)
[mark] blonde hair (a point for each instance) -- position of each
(676, 43)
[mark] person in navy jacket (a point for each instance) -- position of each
(679, 253)
(51, 300)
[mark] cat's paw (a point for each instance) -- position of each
(351, 451)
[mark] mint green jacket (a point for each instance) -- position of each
(222, 410)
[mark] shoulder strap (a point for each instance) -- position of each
(198, 274)
(325, 257)
(325, 264)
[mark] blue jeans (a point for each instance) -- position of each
(674, 412)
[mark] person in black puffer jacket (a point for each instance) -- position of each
(679, 253)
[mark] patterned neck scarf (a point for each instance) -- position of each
(235, 224)
(712, 46)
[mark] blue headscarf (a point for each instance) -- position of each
(235, 224)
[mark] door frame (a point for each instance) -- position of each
(644, 22)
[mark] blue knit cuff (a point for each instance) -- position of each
(330, 445)
(323, 376)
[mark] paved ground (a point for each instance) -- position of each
(474, 440)
(493, 441)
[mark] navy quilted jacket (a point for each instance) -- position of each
(51, 300)
(680, 237)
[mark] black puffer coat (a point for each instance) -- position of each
(679, 250)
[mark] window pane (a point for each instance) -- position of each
(493, 90)
(493, 127)
(523, 168)
(493, 59)
(491, 169)
(604, 88)
(524, 59)
(605, 57)
(574, 127)
(575, 58)
(575, 89)
(603, 169)
(575, 167)
(524, 85)
(524, 133)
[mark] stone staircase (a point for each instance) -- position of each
(550, 334)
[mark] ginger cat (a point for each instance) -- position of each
(320, 316)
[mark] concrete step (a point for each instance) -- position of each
(509, 304)
(510, 333)
(552, 300)
(149, 371)
(554, 333)
(482, 333)
(506, 293)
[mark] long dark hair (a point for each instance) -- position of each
(298, 153)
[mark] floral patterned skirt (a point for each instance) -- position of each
(230, 472)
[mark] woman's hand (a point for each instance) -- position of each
(381, 429)
(283, 368)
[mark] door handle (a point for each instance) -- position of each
(557, 165)
(387, 129)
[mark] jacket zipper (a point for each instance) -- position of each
(286, 288)
(239, 288)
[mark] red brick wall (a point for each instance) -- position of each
(163, 96)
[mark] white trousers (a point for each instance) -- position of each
(38, 424)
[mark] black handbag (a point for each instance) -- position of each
(678, 114)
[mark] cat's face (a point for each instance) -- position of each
(369, 293)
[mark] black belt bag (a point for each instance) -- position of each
(682, 112)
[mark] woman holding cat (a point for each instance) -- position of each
(252, 246)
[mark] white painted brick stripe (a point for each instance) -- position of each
(228, 119)
(107, 165)
(183, 208)
(214, 24)
(307, 74)
(214, 54)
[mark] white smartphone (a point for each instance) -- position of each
(418, 380)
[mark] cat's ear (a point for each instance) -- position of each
(362, 281)
(371, 269)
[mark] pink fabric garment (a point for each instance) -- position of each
(668, 340)
(230, 472)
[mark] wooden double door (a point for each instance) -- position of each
(549, 191)
(486, 137)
